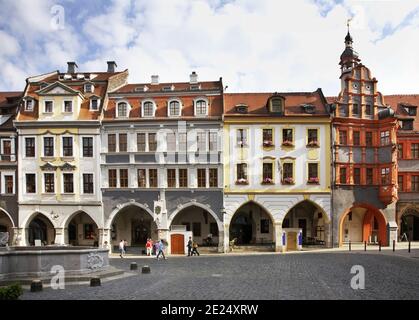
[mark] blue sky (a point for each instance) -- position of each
(264, 45)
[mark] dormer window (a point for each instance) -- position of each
(68, 106)
(94, 104)
(201, 108)
(88, 88)
(241, 108)
(276, 105)
(43, 85)
(48, 106)
(169, 88)
(411, 110)
(122, 110)
(29, 105)
(195, 87)
(174, 108)
(148, 109)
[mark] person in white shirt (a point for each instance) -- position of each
(122, 248)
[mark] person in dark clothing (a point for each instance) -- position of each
(189, 246)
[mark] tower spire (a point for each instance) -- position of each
(349, 57)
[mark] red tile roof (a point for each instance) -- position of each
(178, 86)
(397, 102)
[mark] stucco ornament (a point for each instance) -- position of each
(94, 261)
(54, 216)
(4, 238)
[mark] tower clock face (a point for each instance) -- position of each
(355, 86)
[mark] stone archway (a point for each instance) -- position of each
(81, 230)
(39, 227)
(6, 226)
(409, 225)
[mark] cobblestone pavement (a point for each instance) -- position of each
(268, 276)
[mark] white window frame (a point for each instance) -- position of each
(82, 147)
(43, 145)
(195, 101)
(25, 184)
(62, 146)
(3, 181)
(128, 109)
(98, 103)
(45, 107)
(72, 106)
(180, 107)
(82, 183)
(26, 105)
(142, 108)
(62, 183)
(43, 182)
(2, 144)
(24, 147)
(89, 91)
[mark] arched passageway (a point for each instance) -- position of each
(82, 230)
(40, 231)
(6, 228)
(409, 225)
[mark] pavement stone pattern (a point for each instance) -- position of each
(248, 277)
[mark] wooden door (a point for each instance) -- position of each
(291, 241)
(177, 244)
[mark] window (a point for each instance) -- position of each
(141, 142)
(68, 183)
(287, 136)
(183, 143)
(415, 183)
(123, 178)
(267, 173)
(171, 178)
(385, 138)
(370, 176)
(407, 125)
(400, 151)
(400, 183)
(30, 183)
(88, 87)
(67, 146)
(122, 110)
(414, 147)
(201, 141)
(112, 178)
(29, 147)
(277, 105)
(88, 183)
(267, 137)
(368, 138)
(357, 175)
(7, 149)
(312, 138)
(94, 104)
(152, 142)
(264, 226)
(201, 108)
(174, 109)
(89, 233)
(368, 110)
(123, 142)
(111, 142)
(385, 176)
(213, 178)
(8, 184)
(196, 229)
(202, 178)
(288, 174)
(29, 105)
(183, 178)
(213, 137)
(152, 176)
(342, 175)
(171, 141)
(148, 109)
(355, 109)
(411, 111)
(241, 137)
(48, 146)
(343, 110)
(49, 183)
(142, 179)
(313, 172)
(68, 106)
(87, 147)
(356, 138)
(49, 105)
(343, 137)
(242, 172)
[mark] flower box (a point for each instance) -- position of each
(313, 144)
(268, 143)
(268, 181)
(288, 181)
(313, 180)
(287, 143)
(242, 182)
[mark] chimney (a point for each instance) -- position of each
(111, 66)
(154, 79)
(193, 78)
(72, 67)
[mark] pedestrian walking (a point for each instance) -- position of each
(189, 246)
(125, 246)
(149, 247)
(121, 248)
(161, 250)
(195, 248)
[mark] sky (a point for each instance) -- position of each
(254, 45)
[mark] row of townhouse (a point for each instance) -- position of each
(89, 159)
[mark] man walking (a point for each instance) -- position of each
(161, 250)
(195, 249)
(122, 248)
(189, 246)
